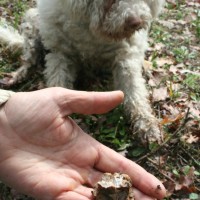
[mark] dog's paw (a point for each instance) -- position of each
(147, 130)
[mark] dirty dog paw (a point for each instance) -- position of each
(147, 130)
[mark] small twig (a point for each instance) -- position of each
(165, 175)
(168, 139)
(192, 158)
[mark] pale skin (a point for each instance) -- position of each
(45, 154)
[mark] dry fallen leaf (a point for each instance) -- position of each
(170, 119)
(164, 60)
(160, 94)
(189, 138)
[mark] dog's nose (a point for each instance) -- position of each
(133, 23)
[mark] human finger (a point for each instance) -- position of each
(81, 102)
(138, 195)
(71, 196)
(81, 192)
(96, 175)
(110, 161)
(84, 191)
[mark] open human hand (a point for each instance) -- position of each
(44, 153)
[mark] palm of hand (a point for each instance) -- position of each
(45, 154)
(55, 149)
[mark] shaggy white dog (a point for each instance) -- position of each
(95, 33)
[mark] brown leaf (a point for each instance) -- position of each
(168, 119)
(162, 61)
(157, 77)
(160, 94)
(189, 138)
(147, 65)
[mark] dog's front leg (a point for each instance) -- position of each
(128, 78)
(60, 71)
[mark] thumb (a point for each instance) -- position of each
(81, 102)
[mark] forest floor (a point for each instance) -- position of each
(172, 71)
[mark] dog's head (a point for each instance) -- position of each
(119, 19)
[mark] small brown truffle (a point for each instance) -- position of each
(115, 186)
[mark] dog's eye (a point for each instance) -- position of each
(108, 4)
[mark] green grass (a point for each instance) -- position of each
(110, 129)
(196, 24)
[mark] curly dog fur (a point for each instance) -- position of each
(96, 33)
